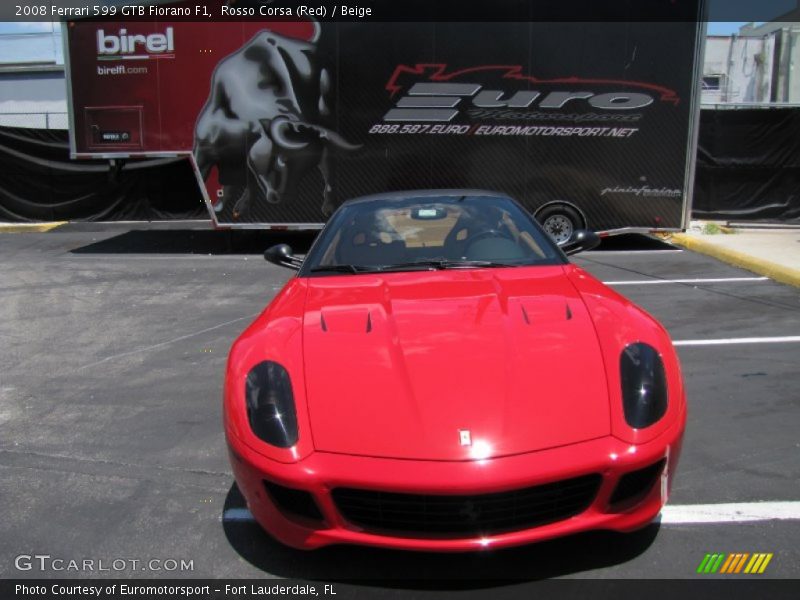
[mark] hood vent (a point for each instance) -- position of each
(549, 315)
(345, 320)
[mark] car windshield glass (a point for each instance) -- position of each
(424, 233)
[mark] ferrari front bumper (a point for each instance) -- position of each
(320, 473)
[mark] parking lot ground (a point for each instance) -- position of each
(112, 350)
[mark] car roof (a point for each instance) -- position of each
(429, 193)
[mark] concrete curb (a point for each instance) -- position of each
(30, 227)
(766, 268)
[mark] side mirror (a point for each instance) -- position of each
(580, 240)
(282, 256)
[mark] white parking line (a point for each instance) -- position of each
(173, 257)
(727, 341)
(670, 514)
(730, 513)
(663, 281)
(237, 514)
(615, 252)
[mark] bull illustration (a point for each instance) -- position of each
(262, 125)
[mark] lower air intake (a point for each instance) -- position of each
(634, 486)
(294, 502)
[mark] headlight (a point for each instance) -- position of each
(644, 385)
(270, 404)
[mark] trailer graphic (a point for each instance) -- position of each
(269, 102)
(587, 124)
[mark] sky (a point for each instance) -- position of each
(724, 28)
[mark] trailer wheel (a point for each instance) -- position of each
(559, 221)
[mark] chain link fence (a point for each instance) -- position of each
(35, 120)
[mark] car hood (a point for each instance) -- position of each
(400, 365)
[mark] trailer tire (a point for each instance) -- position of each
(560, 221)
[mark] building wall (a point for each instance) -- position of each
(33, 98)
(793, 68)
(787, 75)
(743, 67)
(31, 44)
(761, 69)
(32, 87)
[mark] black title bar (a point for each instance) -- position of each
(403, 10)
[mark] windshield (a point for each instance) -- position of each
(434, 232)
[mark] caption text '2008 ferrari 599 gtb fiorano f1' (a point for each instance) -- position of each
(438, 376)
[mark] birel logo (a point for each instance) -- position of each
(124, 44)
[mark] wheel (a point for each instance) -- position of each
(559, 221)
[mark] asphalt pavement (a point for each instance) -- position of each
(112, 350)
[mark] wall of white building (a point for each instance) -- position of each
(32, 87)
(36, 98)
(737, 70)
(753, 69)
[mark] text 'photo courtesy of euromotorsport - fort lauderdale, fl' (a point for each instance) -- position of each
(173, 590)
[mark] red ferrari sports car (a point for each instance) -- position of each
(438, 376)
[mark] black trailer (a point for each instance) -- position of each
(588, 124)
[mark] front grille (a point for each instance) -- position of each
(485, 514)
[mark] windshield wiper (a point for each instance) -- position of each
(342, 269)
(446, 264)
(475, 264)
(421, 265)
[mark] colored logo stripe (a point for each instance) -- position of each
(737, 562)
(710, 563)
(758, 563)
(728, 563)
(134, 57)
